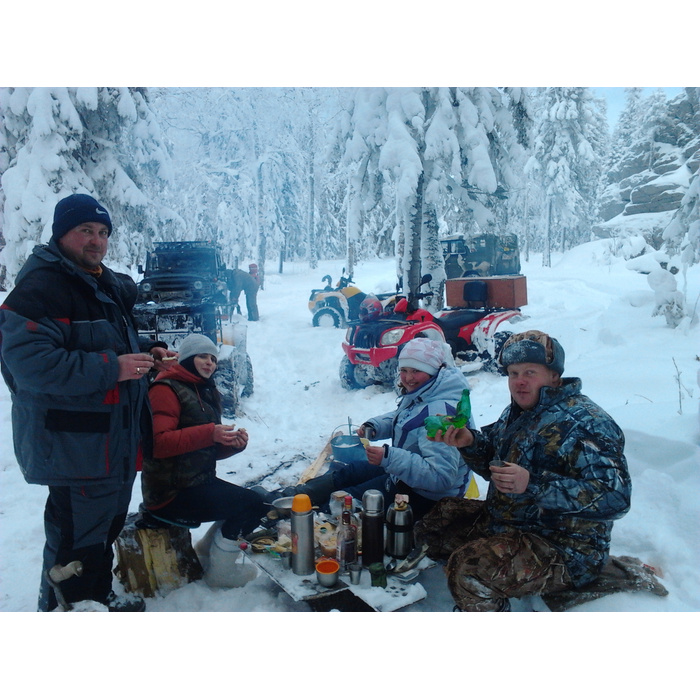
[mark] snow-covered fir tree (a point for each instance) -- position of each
(250, 170)
(567, 160)
(319, 173)
(682, 236)
(445, 157)
(102, 141)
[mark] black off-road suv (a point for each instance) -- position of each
(184, 290)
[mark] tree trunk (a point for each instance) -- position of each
(432, 259)
(526, 242)
(155, 561)
(262, 240)
(547, 254)
(313, 243)
(354, 216)
(413, 243)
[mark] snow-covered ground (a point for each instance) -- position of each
(642, 372)
(638, 369)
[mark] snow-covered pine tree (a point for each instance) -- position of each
(682, 235)
(447, 156)
(568, 164)
(621, 143)
(245, 171)
(103, 141)
(214, 132)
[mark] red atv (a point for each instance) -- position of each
(373, 343)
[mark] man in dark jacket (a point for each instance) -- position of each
(240, 281)
(558, 478)
(72, 360)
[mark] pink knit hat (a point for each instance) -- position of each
(423, 354)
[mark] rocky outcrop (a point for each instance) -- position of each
(655, 196)
(653, 176)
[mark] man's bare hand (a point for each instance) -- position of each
(134, 366)
(162, 357)
(375, 454)
(510, 478)
(456, 437)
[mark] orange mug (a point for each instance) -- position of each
(327, 571)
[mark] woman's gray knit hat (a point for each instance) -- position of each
(196, 344)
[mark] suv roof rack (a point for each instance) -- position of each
(179, 245)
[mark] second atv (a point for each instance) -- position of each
(335, 306)
(373, 344)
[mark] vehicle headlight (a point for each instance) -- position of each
(392, 337)
(146, 287)
(198, 285)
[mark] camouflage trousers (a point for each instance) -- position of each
(483, 569)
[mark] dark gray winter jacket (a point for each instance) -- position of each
(61, 332)
(579, 481)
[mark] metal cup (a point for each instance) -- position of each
(327, 571)
(355, 573)
(497, 463)
(286, 559)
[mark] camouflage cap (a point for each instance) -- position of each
(536, 347)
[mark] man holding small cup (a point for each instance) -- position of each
(558, 478)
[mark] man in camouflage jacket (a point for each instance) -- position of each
(546, 522)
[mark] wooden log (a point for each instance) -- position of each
(314, 469)
(155, 561)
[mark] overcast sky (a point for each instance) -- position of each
(615, 98)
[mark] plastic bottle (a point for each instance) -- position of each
(399, 528)
(228, 566)
(372, 527)
(302, 535)
(346, 537)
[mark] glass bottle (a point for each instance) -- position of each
(346, 551)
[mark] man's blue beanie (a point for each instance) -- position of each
(75, 210)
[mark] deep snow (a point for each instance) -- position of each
(600, 310)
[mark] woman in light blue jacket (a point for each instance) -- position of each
(414, 465)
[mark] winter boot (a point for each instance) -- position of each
(319, 490)
(128, 602)
(266, 495)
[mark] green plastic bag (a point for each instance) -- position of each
(459, 420)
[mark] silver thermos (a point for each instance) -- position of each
(302, 535)
(372, 527)
(399, 528)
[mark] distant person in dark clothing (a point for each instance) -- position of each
(239, 281)
(253, 271)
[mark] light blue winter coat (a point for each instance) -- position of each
(432, 469)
